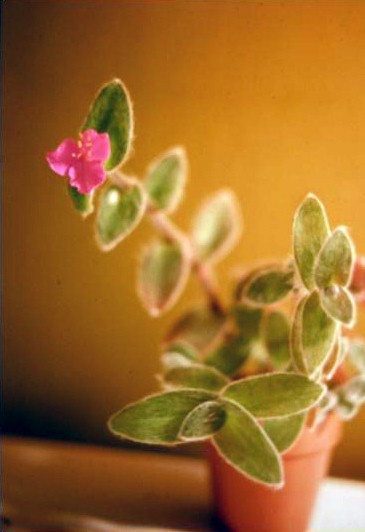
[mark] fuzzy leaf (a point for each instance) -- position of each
(111, 112)
(284, 431)
(351, 396)
(203, 421)
(339, 304)
(119, 212)
(166, 179)
(276, 338)
(195, 376)
(318, 333)
(357, 353)
(248, 321)
(200, 327)
(310, 231)
(268, 286)
(244, 444)
(178, 354)
(230, 356)
(83, 203)
(296, 346)
(336, 358)
(157, 418)
(336, 260)
(275, 395)
(162, 276)
(354, 390)
(217, 226)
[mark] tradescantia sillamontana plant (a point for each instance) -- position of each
(247, 374)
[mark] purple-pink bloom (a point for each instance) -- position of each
(83, 160)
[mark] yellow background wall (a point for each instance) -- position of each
(267, 97)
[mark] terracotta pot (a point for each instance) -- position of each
(246, 506)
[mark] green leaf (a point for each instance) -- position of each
(310, 231)
(111, 112)
(157, 418)
(178, 354)
(195, 376)
(217, 226)
(336, 260)
(335, 358)
(351, 396)
(276, 337)
(246, 447)
(200, 327)
(203, 421)
(318, 333)
(268, 286)
(83, 203)
(285, 431)
(339, 304)
(296, 345)
(248, 321)
(229, 357)
(163, 273)
(166, 179)
(119, 212)
(357, 353)
(275, 394)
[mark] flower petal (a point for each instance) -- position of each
(100, 144)
(86, 175)
(63, 157)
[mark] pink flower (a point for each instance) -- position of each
(358, 280)
(82, 161)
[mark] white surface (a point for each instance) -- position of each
(340, 507)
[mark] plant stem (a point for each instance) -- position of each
(202, 271)
(169, 230)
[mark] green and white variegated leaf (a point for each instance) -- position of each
(313, 335)
(296, 346)
(248, 320)
(178, 354)
(310, 231)
(166, 178)
(243, 443)
(336, 358)
(195, 376)
(83, 203)
(351, 396)
(275, 394)
(112, 113)
(119, 212)
(163, 273)
(229, 357)
(217, 226)
(284, 431)
(157, 418)
(200, 327)
(326, 405)
(202, 422)
(268, 286)
(339, 304)
(357, 353)
(276, 333)
(335, 262)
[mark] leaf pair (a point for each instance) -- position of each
(228, 417)
(324, 260)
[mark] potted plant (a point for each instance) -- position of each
(265, 378)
